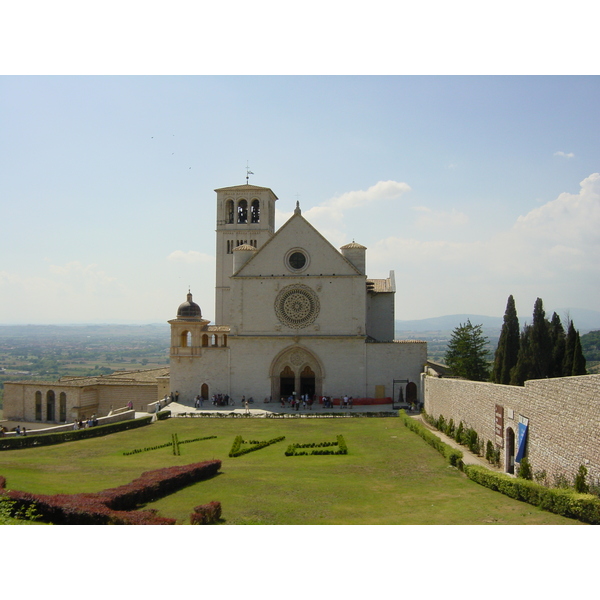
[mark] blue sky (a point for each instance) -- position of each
(470, 188)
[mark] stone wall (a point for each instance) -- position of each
(563, 414)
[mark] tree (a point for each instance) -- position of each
(467, 355)
(541, 344)
(524, 367)
(570, 350)
(558, 339)
(579, 361)
(507, 351)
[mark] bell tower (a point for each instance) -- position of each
(245, 215)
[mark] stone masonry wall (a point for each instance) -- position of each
(563, 413)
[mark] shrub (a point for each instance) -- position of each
(453, 456)
(581, 485)
(489, 452)
(584, 507)
(163, 414)
(206, 514)
(525, 470)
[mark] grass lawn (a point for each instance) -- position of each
(390, 475)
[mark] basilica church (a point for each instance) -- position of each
(293, 315)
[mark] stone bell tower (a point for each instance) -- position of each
(245, 216)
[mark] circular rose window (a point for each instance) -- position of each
(296, 306)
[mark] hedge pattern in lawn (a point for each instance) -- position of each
(206, 514)
(116, 506)
(168, 444)
(342, 448)
(46, 439)
(237, 450)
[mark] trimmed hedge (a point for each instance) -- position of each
(116, 506)
(179, 442)
(568, 503)
(46, 439)
(340, 443)
(237, 450)
(452, 455)
(161, 415)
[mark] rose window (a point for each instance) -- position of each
(297, 306)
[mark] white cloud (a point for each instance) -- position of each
(333, 209)
(564, 154)
(429, 219)
(190, 257)
(551, 252)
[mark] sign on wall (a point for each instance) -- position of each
(499, 426)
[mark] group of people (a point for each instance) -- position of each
(17, 430)
(306, 401)
(91, 422)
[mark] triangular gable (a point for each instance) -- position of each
(297, 232)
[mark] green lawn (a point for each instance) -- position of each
(390, 475)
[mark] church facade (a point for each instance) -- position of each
(293, 315)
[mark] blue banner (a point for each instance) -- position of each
(522, 441)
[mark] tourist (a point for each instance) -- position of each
(24, 431)
(246, 407)
(18, 430)
(130, 405)
(176, 396)
(350, 402)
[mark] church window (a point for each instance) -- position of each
(38, 406)
(297, 260)
(297, 306)
(224, 340)
(229, 212)
(62, 407)
(205, 341)
(186, 339)
(214, 340)
(242, 211)
(255, 211)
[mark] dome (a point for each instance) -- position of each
(189, 309)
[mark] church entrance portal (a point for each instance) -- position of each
(298, 371)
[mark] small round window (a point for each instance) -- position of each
(297, 260)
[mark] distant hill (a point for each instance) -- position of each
(584, 320)
(448, 323)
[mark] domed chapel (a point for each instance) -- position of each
(293, 314)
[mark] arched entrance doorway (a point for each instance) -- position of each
(298, 370)
(287, 380)
(204, 391)
(510, 451)
(307, 381)
(411, 392)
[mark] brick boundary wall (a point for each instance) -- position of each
(563, 413)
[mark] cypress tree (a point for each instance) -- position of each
(541, 344)
(507, 351)
(558, 341)
(524, 367)
(578, 358)
(569, 350)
